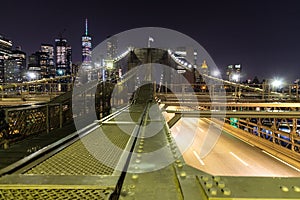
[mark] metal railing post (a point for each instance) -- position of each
(47, 118)
(60, 115)
(297, 92)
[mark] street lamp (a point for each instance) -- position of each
(31, 75)
(236, 77)
(276, 83)
(216, 73)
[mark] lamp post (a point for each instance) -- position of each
(276, 83)
(216, 73)
(31, 75)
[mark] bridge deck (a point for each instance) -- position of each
(130, 155)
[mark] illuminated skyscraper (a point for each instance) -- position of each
(112, 47)
(187, 53)
(69, 60)
(86, 48)
(63, 55)
(35, 60)
(233, 73)
(50, 71)
(19, 58)
(5, 53)
(5, 46)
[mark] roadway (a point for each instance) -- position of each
(229, 157)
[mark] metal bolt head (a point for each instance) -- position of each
(135, 176)
(284, 188)
(208, 184)
(182, 174)
(221, 184)
(296, 189)
(213, 191)
(179, 165)
(217, 178)
(205, 178)
(226, 191)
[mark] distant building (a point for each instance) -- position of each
(12, 62)
(10, 70)
(233, 72)
(35, 65)
(204, 68)
(5, 53)
(2, 74)
(69, 60)
(5, 46)
(19, 57)
(187, 53)
(63, 56)
(49, 70)
(112, 47)
(86, 48)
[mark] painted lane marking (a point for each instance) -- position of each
(198, 157)
(295, 168)
(239, 159)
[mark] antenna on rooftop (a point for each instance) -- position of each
(60, 34)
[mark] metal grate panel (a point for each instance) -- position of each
(16, 194)
(77, 160)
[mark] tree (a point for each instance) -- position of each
(255, 80)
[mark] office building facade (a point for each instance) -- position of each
(63, 57)
(86, 41)
(233, 73)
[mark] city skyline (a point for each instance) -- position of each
(262, 36)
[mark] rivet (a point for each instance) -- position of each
(296, 189)
(183, 174)
(226, 191)
(138, 155)
(139, 150)
(137, 160)
(131, 186)
(284, 188)
(213, 191)
(179, 165)
(177, 161)
(135, 176)
(205, 178)
(221, 184)
(208, 184)
(217, 178)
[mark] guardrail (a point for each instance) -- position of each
(236, 90)
(33, 89)
(30, 120)
(279, 131)
(274, 135)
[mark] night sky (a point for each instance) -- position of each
(264, 36)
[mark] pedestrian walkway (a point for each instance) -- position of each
(32, 144)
